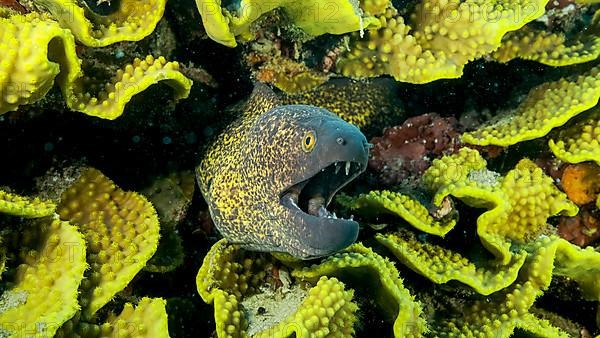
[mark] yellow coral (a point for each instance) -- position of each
(223, 280)
(550, 48)
(441, 265)
(147, 319)
(386, 284)
(580, 142)
(520, 203)
(327, 311)
(509, 309)
(129, 81)
(315, 17)
(44, 295)
(121, 231)
(27, 74)
(229, 275)
(446, 36)
(25, 207)
(132, 21)
(401, 205)
(546, 106)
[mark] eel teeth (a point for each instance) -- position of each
(337, 167)
(347, 167)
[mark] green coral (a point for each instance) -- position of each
(131, 21)
(553, 49)
(27, 74)
(44, 295)
(404, 206)
(441, 265)
(579, 142)
(16, 205)
(327, 311)
(230, 276)
(509, 309)
(121, 231)
(546, 106)
(385, 282)
(49, 290)
(440, 39)
(225, 24)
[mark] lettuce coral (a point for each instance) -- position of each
(45, 291)
(224, 24)
(131, 21)
(579, 142)
(121, 231)
(230, 276)
(553, 49)
(546, 106)
(445, 36)
(404, 206)
(27, 74)
(16, 205)
(386, 283)
(327, 311)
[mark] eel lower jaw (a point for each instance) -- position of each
(321, 230)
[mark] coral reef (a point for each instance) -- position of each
(73, 263)
(121, 232)
(408, 149)
(226, 23)
(553, 49)
(440, 38)
(27, 74)
(546, 106)
(493, 232)
(229, 276)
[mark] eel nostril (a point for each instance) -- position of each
(340, 141)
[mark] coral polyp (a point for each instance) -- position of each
(343, 168)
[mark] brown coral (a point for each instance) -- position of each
(582, 229)
(409, 148)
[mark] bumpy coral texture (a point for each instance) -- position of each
(546, 106)
(581, 141)
(229, 274)
(27, 74)
(328, 311)
(16, 205)
(121, 231)
(45, 290)
(384, 280)
(228, 24)
(518, 204)
(132, 21)
(553, 49)
(440, 39)
(441, 265)
(147, 319)
(404, 206)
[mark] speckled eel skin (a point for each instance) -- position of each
(269, 176)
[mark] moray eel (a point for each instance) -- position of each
(270, 174)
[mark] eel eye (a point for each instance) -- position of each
(309, 141)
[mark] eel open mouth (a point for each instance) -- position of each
(313, 195)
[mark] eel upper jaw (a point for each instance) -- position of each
(322, 231)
